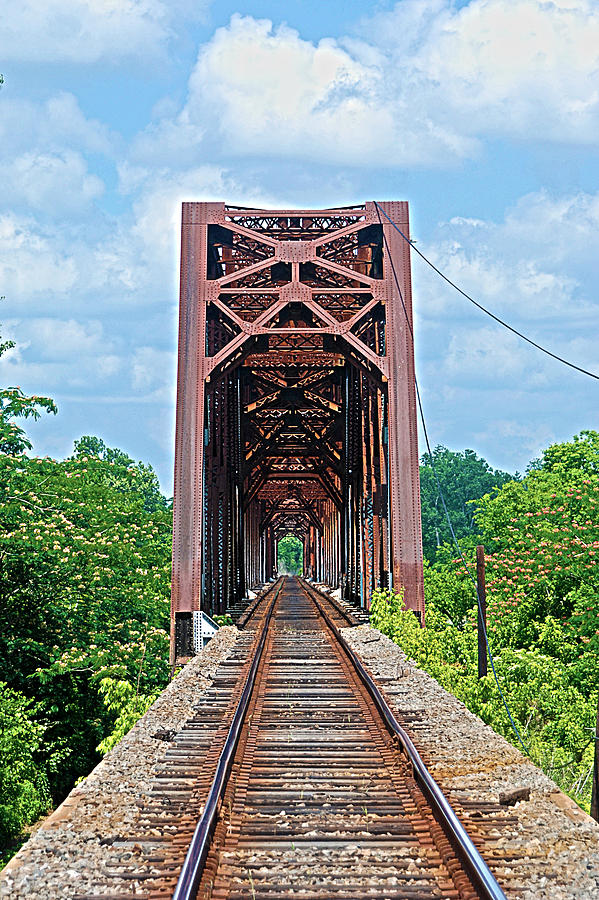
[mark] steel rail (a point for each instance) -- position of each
(191, 872)
(248, 613)
(480, 874)
(346, 613)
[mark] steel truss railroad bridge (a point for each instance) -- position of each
(296, 405)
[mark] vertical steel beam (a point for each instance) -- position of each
(189, 442)
(406, 528)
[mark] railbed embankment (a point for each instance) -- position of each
(553, 846)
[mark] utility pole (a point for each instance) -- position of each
(481, 592)
(595, 793)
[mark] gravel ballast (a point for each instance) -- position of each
(553, 845)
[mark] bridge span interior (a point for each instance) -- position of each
(295, 407)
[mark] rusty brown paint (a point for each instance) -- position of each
(295, 361)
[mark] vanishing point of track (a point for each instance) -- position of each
(314, 795)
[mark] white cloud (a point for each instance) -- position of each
(143, 255)
(264, 90)
(536, 269)
(536, 264)
(505, 276)
(559, 228)
(59, 338)
(519, 67)
(490, 357)
(137, 263)
(44, 158)
(58, 123)
(424, 86)
(64, 120)
(525, 441)
(524, 68)
(273, 91)
(54, 353)
(58, 183)
(129, 261)
(484, 354)
(154, 370)
(31, 261)
(162, 430)
(42, 264)
(90, 31)
(158, 208)
(170, 141)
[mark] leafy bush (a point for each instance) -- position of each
(84, 606)
(24, 786)
(121, 698)
(84, 582)
(553, 716)
(542, 539)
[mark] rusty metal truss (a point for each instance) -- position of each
(295, 405)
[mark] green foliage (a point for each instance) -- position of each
(84, 600)
(121, 698)
(24, 787)
(386, 608)
(452, 588)
(14, 404)
(541, 535)
(579, 457)
(84, 582)
(290, 555)
(464, 478)
(84, 608)
(553, 716)
(124, 475)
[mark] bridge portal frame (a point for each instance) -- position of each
(386, 361)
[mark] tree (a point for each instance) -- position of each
(290, 555)
(541, 535)
(578, 457)
(85, 546)
(463, 477)
(84, 588)
(122, 472)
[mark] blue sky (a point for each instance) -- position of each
(483, 114)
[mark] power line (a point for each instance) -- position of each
(480, 306)
(445, 510)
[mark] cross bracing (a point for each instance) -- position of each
(296, 408)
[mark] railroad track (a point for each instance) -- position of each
(318, 792)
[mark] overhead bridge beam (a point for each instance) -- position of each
(295, 405)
